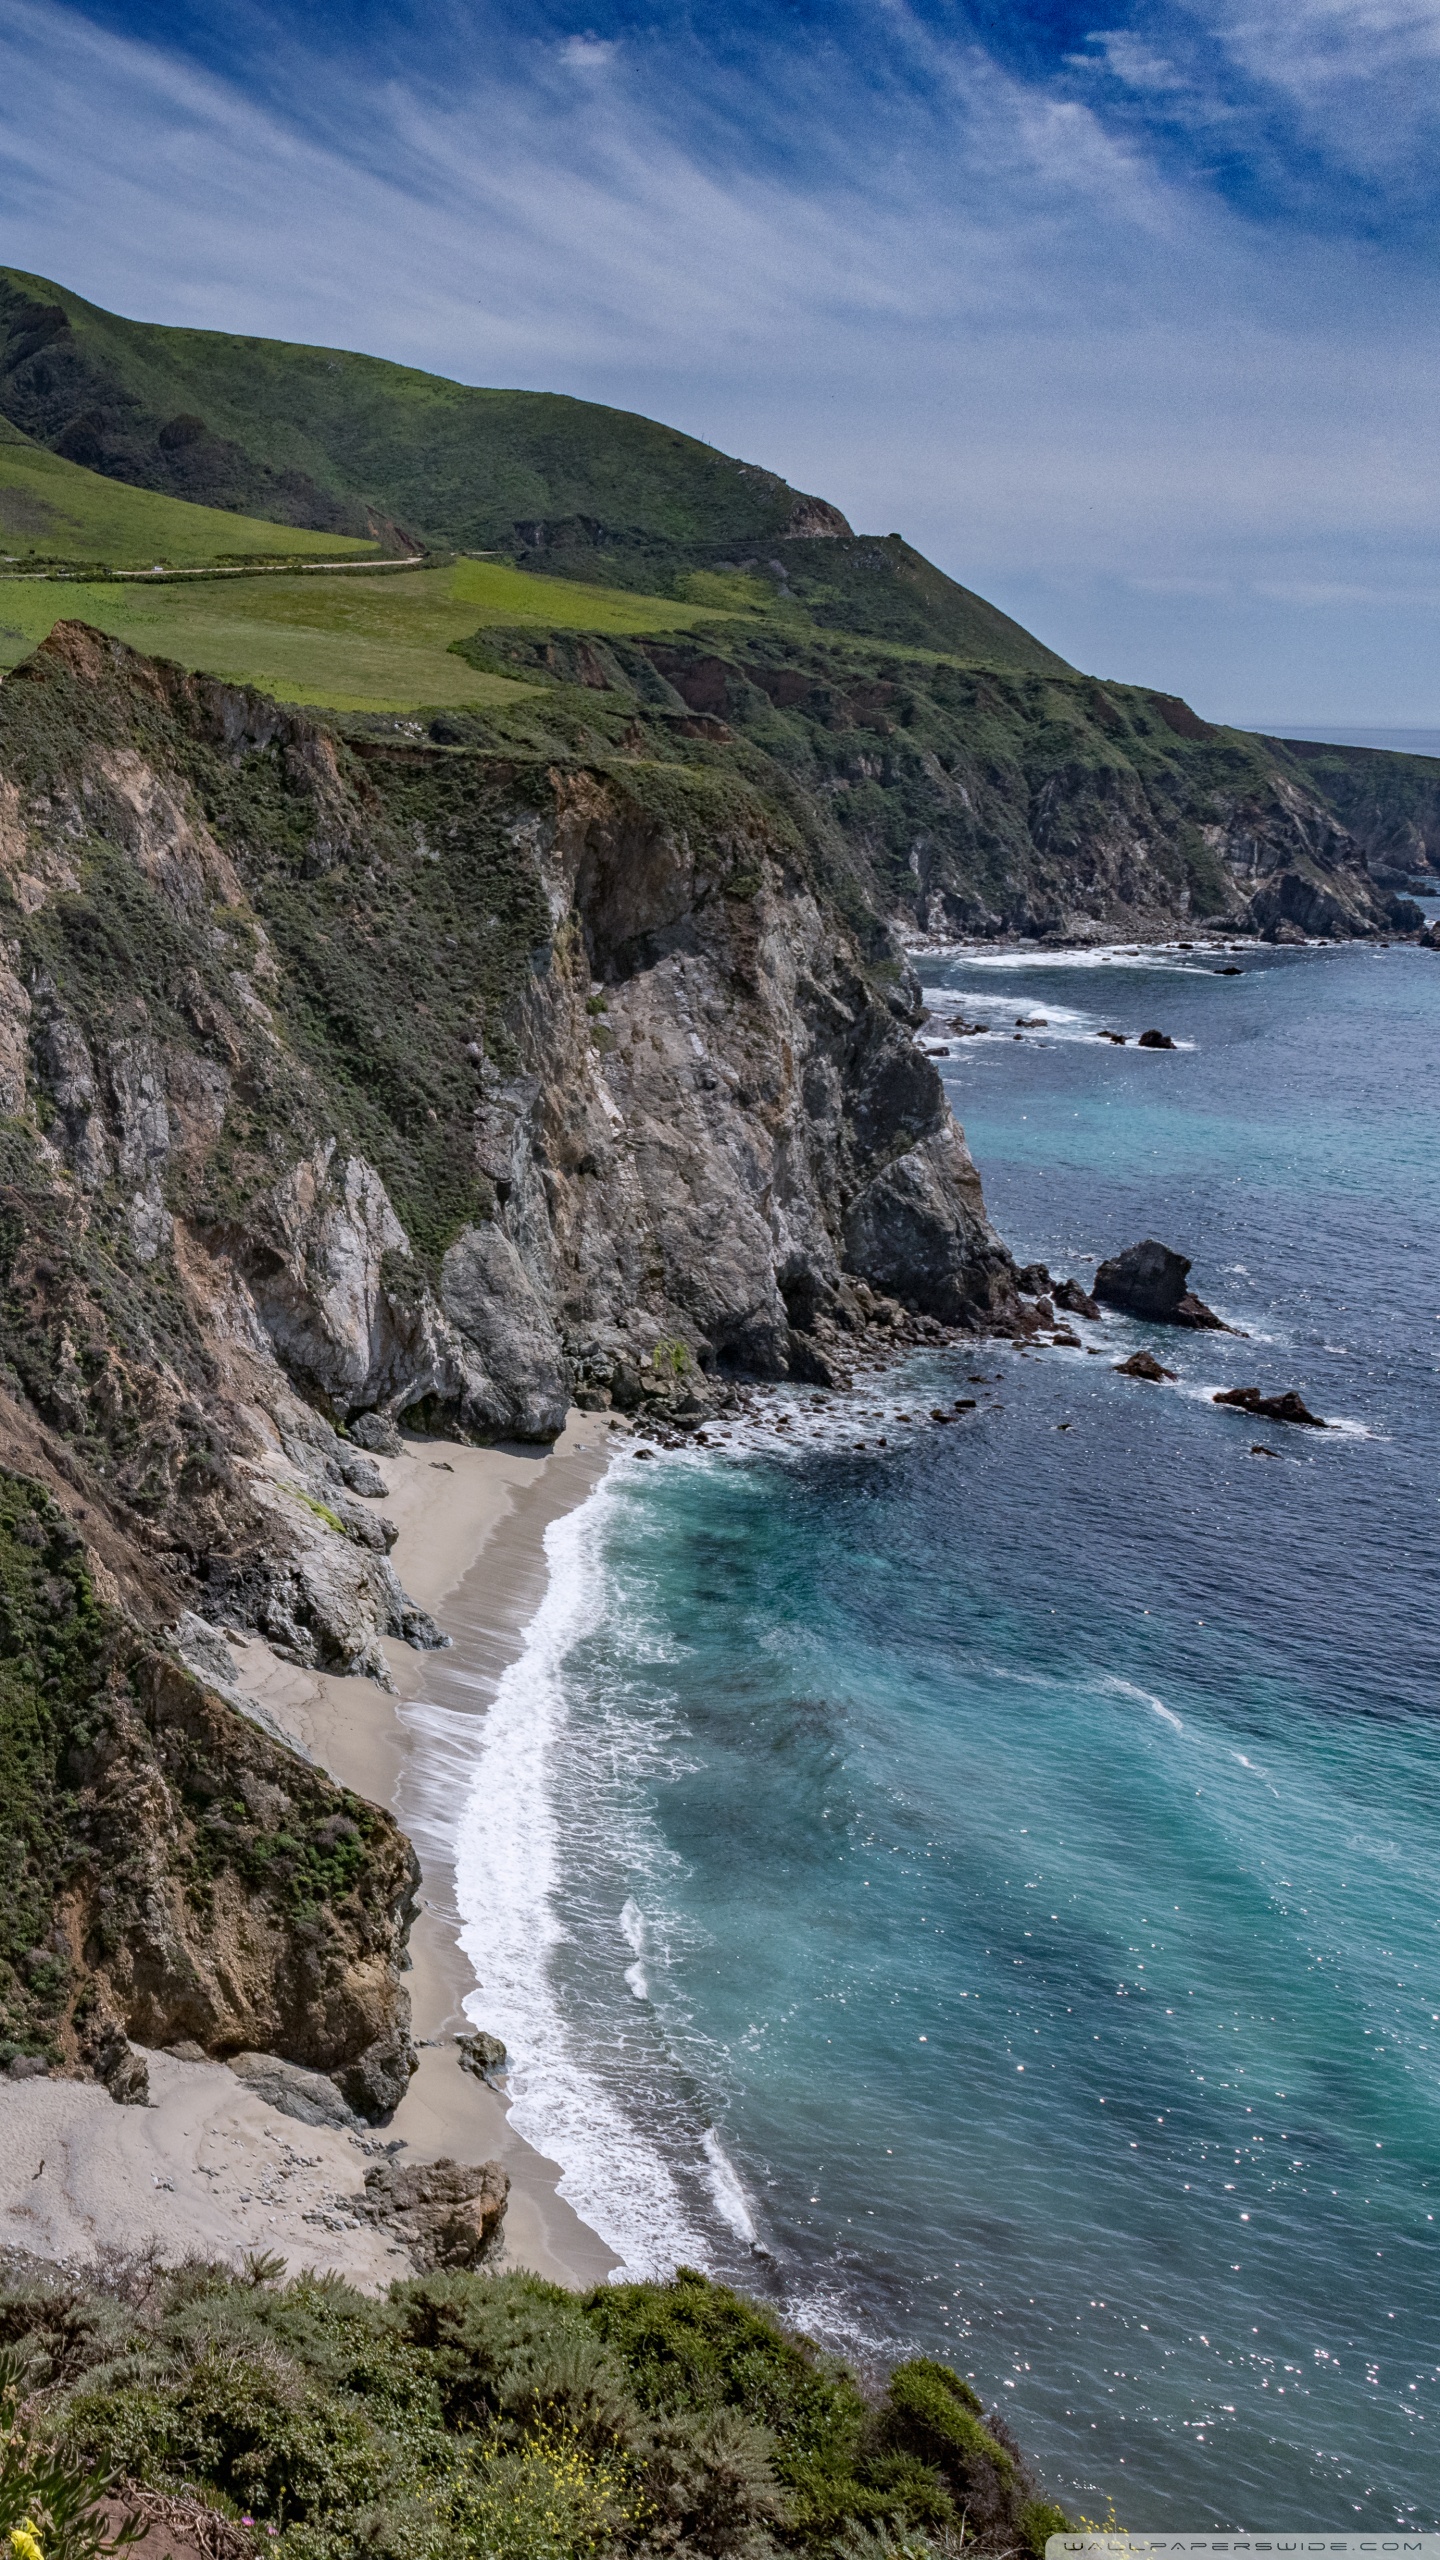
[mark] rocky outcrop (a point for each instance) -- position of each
(309, 2096)
(1289, 1407)
(447, 2215)
(1148, 1280)
(177, 1876)
(430, 1086)
(1143, 1364)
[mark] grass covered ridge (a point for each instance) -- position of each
(54, 513)
(499, 2415)
(321, 437)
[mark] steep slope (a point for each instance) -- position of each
(345, 1081)
(348, 443)
(170, 1871)
(54, 512)
(965, 800)
(1390, 803)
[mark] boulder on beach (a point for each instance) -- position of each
(447, 2214)
(481, 2053)
(311, 2097)
(1141, 1364)
(1148, 1280)
(1289, 1407)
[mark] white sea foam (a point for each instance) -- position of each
(1115, 1687)
(725, 2187)
(1167, 956)
(1006, 1013)
(1058, 1017)
(507, 1874)
(632, 1923)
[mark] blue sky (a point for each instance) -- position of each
(1125, 313)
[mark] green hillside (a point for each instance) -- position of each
(344, 643)
(53, 511)
(344, 443)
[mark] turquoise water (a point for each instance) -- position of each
(982, 1891)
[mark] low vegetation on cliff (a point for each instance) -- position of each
(468, 2415)
(169, 1872)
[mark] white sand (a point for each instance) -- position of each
(207, 2167)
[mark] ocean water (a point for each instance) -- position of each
(981, 1888)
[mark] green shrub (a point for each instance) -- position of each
(1039, 2518)
(499, 2418)
(51, 2506)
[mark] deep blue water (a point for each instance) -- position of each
(998, 1871)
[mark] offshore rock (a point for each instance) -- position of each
(1142, 1364)
(1289, 1407)
(1075, 1300)
(1148, 1280)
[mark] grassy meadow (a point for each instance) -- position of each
(53, 510)
(347, 643)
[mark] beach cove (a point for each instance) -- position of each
(209, 2168)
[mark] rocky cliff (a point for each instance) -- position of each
(344, 1081)
(982, 800)
(171, 1874)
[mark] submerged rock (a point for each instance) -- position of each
(1154, 1040)
(1148, 1280)
(1289, 1407)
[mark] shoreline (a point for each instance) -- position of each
(209, 2168)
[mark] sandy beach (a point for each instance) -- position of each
(209, 2167)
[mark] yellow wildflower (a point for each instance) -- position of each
(25, 2542)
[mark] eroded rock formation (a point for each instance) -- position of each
(172, 1874)
(351, 1085)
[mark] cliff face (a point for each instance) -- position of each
(171, 1873)
(975, 800)
(1389, 802)
(342, 1083)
